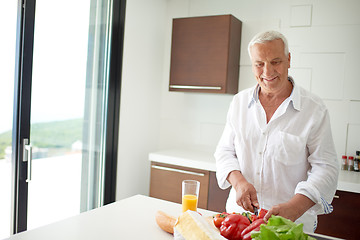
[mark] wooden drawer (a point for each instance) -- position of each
(166, 182)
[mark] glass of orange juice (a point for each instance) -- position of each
(190, 195)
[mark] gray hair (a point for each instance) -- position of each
(269, 36)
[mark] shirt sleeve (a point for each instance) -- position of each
(225, 155)
(321, 183)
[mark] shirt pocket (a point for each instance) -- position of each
(291, 149)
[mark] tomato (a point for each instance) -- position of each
(253, 217)
(219, 218)
(262, 213)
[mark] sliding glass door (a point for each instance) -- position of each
(67, 90)
(57, 109)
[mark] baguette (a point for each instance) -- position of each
(165, 221)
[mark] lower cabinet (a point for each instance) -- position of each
(166, 179)
(343, 222)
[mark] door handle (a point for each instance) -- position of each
(27, 157)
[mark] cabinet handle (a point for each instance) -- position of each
(336, 196)
(178, 170)
(195, 87)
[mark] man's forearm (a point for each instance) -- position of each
(235, 178)
(292, 209)
(246, 196)
(301, 203)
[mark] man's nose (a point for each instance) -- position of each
(268, 70)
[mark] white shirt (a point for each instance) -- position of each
(293, 153)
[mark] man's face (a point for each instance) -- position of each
(270, 65)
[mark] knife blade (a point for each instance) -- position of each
(256, 211)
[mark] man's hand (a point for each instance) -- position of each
(293, 209)
(245, 192)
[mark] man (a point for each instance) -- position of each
(276, 150)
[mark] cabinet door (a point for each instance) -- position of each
(166, 182)
(217, 196)
(343, 221)
(205, 54)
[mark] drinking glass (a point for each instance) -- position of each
(190, 195)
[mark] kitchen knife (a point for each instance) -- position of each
(256, 211)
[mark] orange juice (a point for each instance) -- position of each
(189, 202)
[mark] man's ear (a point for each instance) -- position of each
(289, 60)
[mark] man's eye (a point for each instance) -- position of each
(275, 62)
(259, 64)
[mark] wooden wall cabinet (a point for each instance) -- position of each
(344, 220)
(166, 182)
(205, 54)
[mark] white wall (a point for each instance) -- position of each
(140, 94)
(323, 38)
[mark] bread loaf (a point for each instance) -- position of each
(192, 226)
(165, 222)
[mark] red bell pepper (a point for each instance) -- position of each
(248, 235)
(233, 225)
(255, 226)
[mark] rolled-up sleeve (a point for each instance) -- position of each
(225, 155)
(321, 183)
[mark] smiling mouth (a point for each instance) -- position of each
(269, 79)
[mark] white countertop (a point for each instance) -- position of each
(201, 159)
(131, 218)
(204, 159)
(349, 181)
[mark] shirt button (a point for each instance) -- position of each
(257, 173)
(260, 153)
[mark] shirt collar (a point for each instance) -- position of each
(255, 96)
(294, 96)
